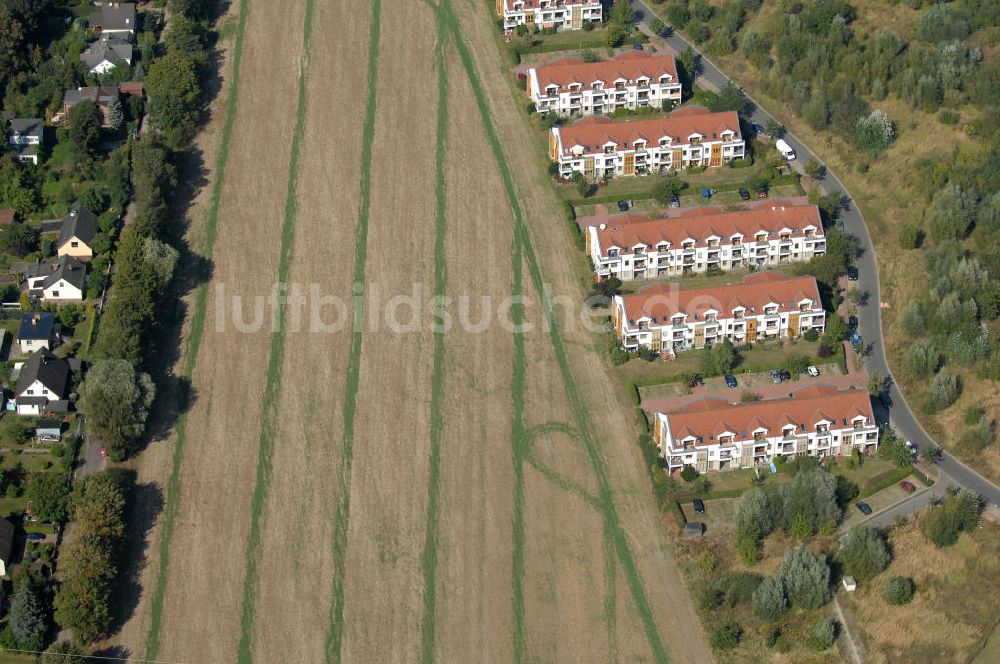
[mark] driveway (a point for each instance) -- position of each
(869, 314)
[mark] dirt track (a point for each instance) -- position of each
(493, 467)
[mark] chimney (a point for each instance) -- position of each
(36, 318)
(603, 227)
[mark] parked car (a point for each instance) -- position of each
(35, 537)
(674, 201)
(812, 371)
(911, 448)
(852, 273)
(730, 380)
(785, 374)
(699, 506)
(852, 322)
(744, 195)
(907, 486)
(775, 376)
(759, 129)
(761, 193)
(864, 508)
(885, 399)
(637, 47)
(623, 206)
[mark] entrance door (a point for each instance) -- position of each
(793, 325)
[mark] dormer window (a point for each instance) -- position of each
(613, 253)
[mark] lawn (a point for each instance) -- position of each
(570, 40)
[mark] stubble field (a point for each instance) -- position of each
(378, 494)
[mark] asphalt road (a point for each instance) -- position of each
(870, 314)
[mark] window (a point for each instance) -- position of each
(74, 244)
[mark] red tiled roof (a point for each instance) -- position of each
(534, 4)
(711, 416)
(628, 66)
(630, 230)
(6, 217)
(594, 132)
(662, 301)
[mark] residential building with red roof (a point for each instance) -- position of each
(632, 80)
(765, 306)
(714, 434)
(560, 14)
(636, 247)
(599, 147)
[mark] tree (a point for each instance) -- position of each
(729, 98)
(876, 383)
(774, 128)
(667, 187)
(689, 473)
(875, 133)
(836, 330)
(85, 127)
(814, 169)
(863, 554)
(822, 634)
(726, 636)
(769, 601)
(28, 616)
(116, 399)
(615, 35)
(658, 27)
(952, 212)
(806, 578)
(63, 652)
(813, 495)
(173, 88)
(898, 590)
(910, 236)
(19, 239)
(49, 496)
(922, 359)
(955, 514)
(116, 115)
(944, 390)
(720, 358)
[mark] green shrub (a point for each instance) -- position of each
(898, 590)
(863, 553)
(689, 474)
(726, 636)
(707, 562)
(822, 634)
(739, 587)
(811, 335)
(769, 601)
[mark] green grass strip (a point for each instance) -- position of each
(335, 628)
(429, 556)
(520, 445)
(191, 348)
(272, 385)
(580, 413)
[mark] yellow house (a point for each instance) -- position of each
(79, 228)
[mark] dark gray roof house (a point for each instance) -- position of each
(114, 17)
(80, 225)
(43, 275)
(37, 326)
(24, 137)
(105, 53)
(48, 369)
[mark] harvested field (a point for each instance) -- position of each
(397, 492)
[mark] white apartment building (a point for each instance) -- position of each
(766, 306)
(632, 80)
(712, 434)
(560, 14)
(601, 148)
(636, 247)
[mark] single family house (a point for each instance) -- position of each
(76, 237)
(26, 135)
(37, 331)
(61, 280)
(43, 384)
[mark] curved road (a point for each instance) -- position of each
(870, 315)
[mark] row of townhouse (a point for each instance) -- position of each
(559, 14)
(636, 247)
(599, 148)
(632, 80)
(765, 306)
(713, 434)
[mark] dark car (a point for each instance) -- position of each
(785, 374)
(35, 537)
(674, 201)
(775, 376)
(864, 508)
(623, 206)
(637, 47)
(744, 195)
(699, 506)
(852, 273)
(759, 129)
(730, 380)
(907, 486)
(885, 399)
(852, 322)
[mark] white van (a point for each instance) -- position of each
(785, 149)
